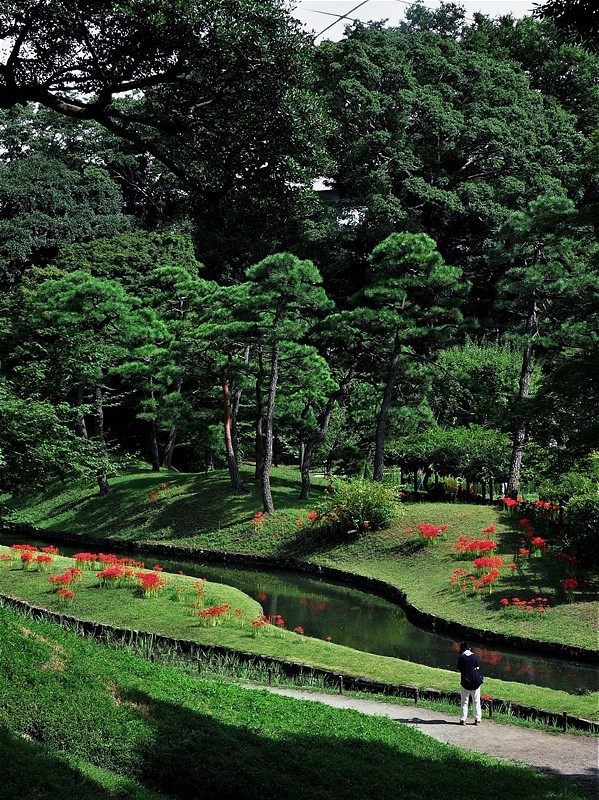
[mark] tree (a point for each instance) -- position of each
(474, 383)
(47, 200)
(38, 444)
(434, 133)
(411, 296)
(548, 250)
(98, 323)
(283, 295)
(577, 19)
(212, 88)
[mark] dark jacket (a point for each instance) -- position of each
(468, 666)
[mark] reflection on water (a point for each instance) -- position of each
(369, 623)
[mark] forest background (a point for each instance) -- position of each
(174, 289)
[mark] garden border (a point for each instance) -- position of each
(344, 682)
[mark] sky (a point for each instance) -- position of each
(316, 15)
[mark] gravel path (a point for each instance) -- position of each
(571, 756)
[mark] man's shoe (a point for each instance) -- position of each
(462, 722)
(477, 721)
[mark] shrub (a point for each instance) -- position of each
(582, 520)
(356, 506)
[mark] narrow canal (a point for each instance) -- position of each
(366, 622)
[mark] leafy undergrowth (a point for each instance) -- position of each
(145, 724)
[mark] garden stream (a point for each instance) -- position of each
(369, 623)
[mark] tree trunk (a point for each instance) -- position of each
(99, 436)
(169, 450)
(523, 393)
(381, 424)
(167, 461)
(154, 451)
(236, 393)
(324, 421)
(309, 447)
(228, 427)
(80, 426)
(259, 423)
(268, 433)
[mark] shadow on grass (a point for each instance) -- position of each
(30, 770)
(256, 755)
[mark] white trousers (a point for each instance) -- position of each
(476, 709)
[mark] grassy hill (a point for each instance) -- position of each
(82, 720)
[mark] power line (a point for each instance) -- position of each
(344, 16)
(340, 17)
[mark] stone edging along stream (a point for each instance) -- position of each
(374, 585)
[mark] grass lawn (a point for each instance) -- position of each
(78, 717)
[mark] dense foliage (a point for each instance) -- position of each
(175, 290)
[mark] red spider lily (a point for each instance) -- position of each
(328, 638)
(86, 560)
(157, 568)
(43, 561)
(215, 613)
(150, 583)
(65, 594)
(66, 579)
(538, 604)
(509, 502)
(258, 518)
(488, 561)
(26, 558)
(570, 583)
(489, 529)
(5, 557)
(478, 547)
(23, 547)
(299, 630)
(428, 530)
(53, 551)
(313, 515)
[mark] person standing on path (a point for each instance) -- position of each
(470, 682)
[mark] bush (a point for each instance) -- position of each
(356, 506)
(582, 518)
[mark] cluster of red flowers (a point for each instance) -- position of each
(215, 614)
(569, 585)
(299, 630)
(150, 582)
(68, 577)
(430, 531)
(509, 502)
(535, 604)
(466, 548)
(488, 562)
(258, 518)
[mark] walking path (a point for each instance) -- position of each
(571, 756)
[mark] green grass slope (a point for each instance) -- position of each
(127, 723)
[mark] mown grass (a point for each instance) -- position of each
(201, 512)
(165, 614)
(127, 723)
